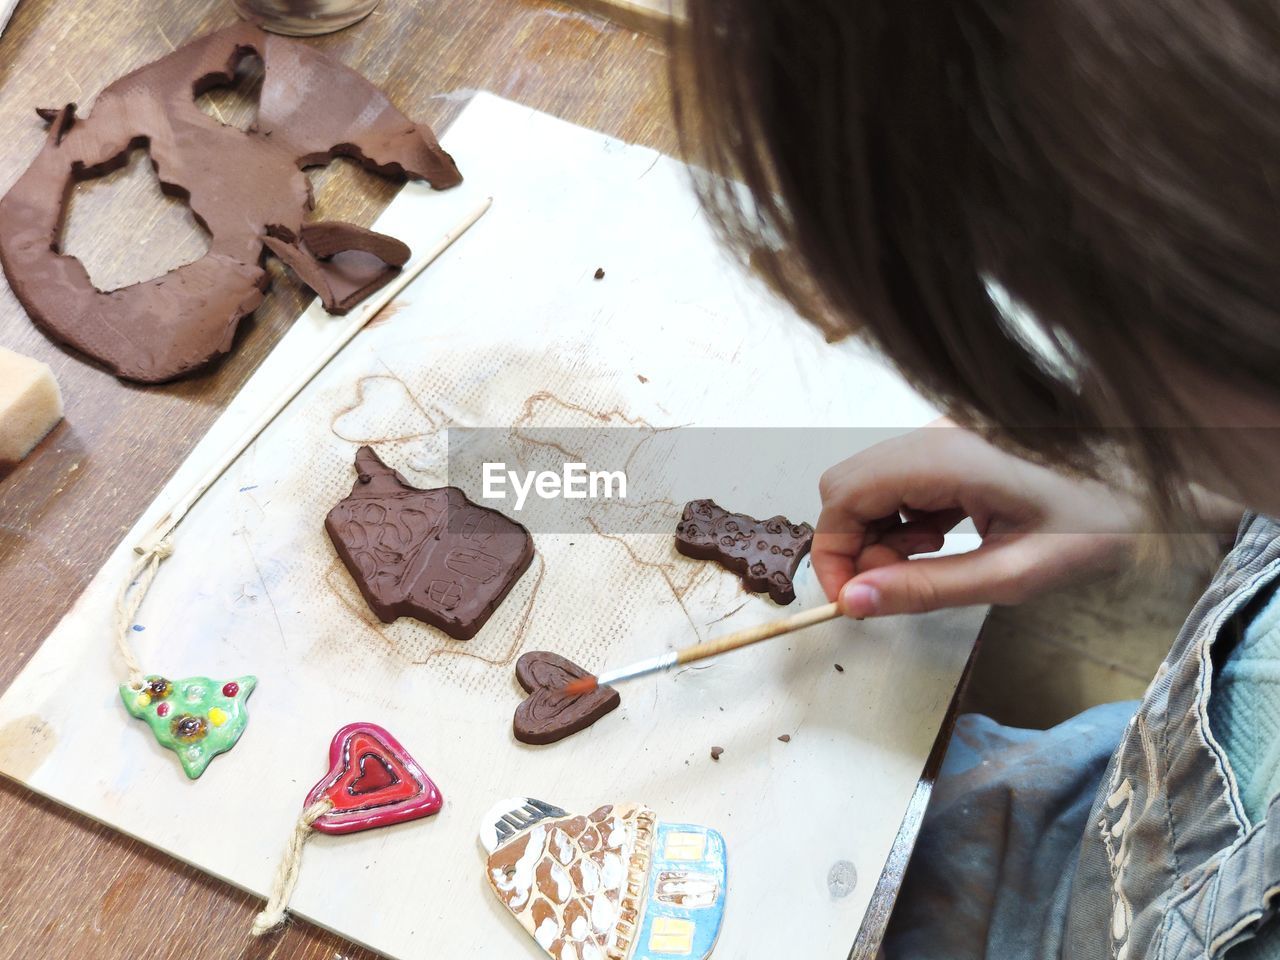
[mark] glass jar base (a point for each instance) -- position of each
(303, 18)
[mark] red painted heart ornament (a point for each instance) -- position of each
(372, 782)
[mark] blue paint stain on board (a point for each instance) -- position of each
(248, 488)
(138, 628)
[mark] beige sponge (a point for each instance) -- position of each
(30, 404)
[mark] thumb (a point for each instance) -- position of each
(990, 574)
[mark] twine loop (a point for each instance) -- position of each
(286, 879)
(141, 575)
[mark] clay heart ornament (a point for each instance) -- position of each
(372, 782)
(547, 715)
(375, 774)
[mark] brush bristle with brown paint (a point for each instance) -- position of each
(581, 687)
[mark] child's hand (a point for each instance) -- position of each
(1040, 530)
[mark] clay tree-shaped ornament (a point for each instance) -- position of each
(614, 884)
(248, 189)
(197, 718)
(372, 782)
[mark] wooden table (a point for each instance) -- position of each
(72, 888)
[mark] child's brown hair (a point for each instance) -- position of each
(1111, 166)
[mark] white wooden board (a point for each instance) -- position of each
(6, 11)
(509, 327)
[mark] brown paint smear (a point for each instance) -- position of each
(440, 645)
(362, 399)
(25, 743)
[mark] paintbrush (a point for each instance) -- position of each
(701, 651)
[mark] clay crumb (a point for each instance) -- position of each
(785, 738)
(839, 669)
(599, 274)
(642, 378)
(716, 752)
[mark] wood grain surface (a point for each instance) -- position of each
(654, 16)
(72, 888)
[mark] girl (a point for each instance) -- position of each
(1060, 219)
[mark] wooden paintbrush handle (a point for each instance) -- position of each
(763, 631)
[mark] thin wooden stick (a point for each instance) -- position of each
(711, 648)
(762, 631)
(366, 312)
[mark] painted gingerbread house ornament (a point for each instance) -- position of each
(615, 884)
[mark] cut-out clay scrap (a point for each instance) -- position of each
(547, 715)
(197, 718)
(248, 189)
(325, 259)
(372, 782)
(612, 885)
(429, 554)
(765, 553)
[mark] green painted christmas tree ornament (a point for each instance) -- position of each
(197, 718)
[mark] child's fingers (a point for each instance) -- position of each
(840, 556)
(990, 574)
(925, 534)
(841, 538)
(835, 568)
(834, 556)
(941, 520)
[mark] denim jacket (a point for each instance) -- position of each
(1170, 865)
(1117, 835)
